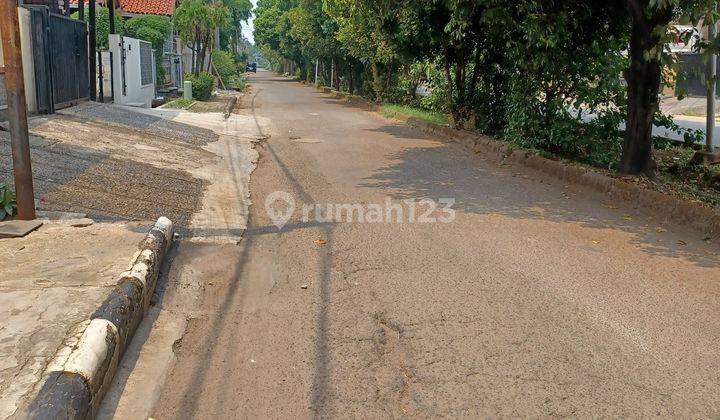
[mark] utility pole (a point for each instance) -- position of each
(92, 54)
(17, 109)
(711, 74)
(332, 73)
(709, 155)
(317, 63)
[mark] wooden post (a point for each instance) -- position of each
(17, 109)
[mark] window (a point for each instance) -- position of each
(146, 63)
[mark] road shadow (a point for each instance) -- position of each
(484, 187)
(71, 178)
(141, 121)
(402, 132)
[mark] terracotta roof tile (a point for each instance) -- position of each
(148, 7)
(142, 7)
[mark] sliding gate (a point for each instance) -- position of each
(60, 53)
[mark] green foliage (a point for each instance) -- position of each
(237, 82)
(154, 29)
(229, 70)
(7, 200)
(102, 25)
(230, 34)
(202, 85)
(180, 103)
(542, 74)
(391, 110)
(224, 64)
(196, 22)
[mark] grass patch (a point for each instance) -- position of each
(391, 110)
(238, 83)
(180, 103)
(679, 174)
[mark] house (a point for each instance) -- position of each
(172, 49)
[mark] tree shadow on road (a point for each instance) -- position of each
(70, 178)
(484, 186)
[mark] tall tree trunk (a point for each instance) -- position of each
(194, 58)
(209, 63)
(198, 46)
(448, 78)
(352, 80)
(643, 85)
(377, 82)
(202, 49)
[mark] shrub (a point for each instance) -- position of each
(202, 85)
(224, 64)
(179, 103)
(236, 82)
(7, 200)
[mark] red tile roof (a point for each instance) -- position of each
(141, 7)
(148, 7)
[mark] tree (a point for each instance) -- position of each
(230, 34)
(196, 22)
(454, 29)
(154, 29)
(368, 31)
(650, 19)
(565, 60)
(649, 33)
(314, 32)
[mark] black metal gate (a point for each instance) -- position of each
(60, 52)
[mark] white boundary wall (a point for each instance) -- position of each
(28, 63)
(136, 94)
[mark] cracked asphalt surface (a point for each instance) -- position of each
(540, 299)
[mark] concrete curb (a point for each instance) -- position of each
(230, 106)
(76, 379)
(694, 214)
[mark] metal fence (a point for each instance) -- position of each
(60, 53)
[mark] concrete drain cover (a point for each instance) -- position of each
(18, 228)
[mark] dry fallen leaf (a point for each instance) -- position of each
(660, 230)
(681, 242)
(320, 241)
(596, 242)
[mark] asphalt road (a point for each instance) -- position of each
(539, 299)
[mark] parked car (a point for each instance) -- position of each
(251, 67)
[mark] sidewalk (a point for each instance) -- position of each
(121, 168)
(693, 105)
(50, 281)
(688, 114)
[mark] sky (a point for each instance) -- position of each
(247, 28)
